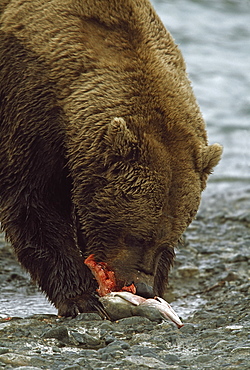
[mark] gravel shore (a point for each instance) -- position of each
(209, 289)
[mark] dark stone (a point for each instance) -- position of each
(3, 350)
(60, 333)
(170, 358)
(87, 340)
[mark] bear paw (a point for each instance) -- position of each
(71, 307)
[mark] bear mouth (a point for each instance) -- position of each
(107, 283)
(105, 277)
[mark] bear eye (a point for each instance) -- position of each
(134, 240)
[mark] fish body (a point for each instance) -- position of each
(119, 305)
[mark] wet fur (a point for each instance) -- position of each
(103, 147)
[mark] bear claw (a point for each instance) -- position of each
(86, 303)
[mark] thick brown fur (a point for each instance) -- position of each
(103, 146)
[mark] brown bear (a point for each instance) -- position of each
(103, 149)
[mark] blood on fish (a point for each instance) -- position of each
(105, 277)
(130, 288)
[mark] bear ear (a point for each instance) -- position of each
(210, 157)
(121, 139)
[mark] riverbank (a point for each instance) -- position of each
(209, 289)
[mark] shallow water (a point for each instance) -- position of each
(23, 305)
(214, 37)
(186, 307)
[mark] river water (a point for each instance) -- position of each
(214, 36)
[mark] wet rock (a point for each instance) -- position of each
(109, 339)
(221, 322)
(137, 322)
(204, 358)
(234, 328)
(221, 344)
(86, 340)
(15, 359)
(37, 361)
(145, 351)
(242, 351)
(230, 276)
(60, 333)
(188, 328)
(106, 326)
(3, 350)
(27, 368)
(170, 358)
(188, 271)
(113, 347)
(245, 288)
(148, 362)
(238, 258)
(73, 367)
(90, 316)
(83, 363)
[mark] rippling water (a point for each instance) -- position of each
(24, 304)
(214, 36)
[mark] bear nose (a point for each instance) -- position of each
(144, 290)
